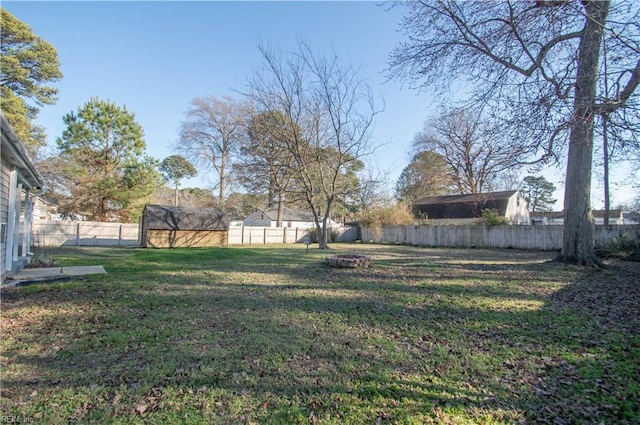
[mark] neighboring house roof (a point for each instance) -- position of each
(463, 206)
(15, 153)
(555, 215)
(287, 214)
(612, 213)
(549, 215)
(631, 217)
(160, 217)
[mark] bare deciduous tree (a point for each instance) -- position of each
(265, 163)
(475, 152)
(329, 110)
(211, 134)
(537, 64)
(372, 191)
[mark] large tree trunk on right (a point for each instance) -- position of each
(578, 242)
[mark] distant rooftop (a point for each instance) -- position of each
(462, 206)
(287, 214)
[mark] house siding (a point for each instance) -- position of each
(4, 212)
(517, 210)
(19, 178)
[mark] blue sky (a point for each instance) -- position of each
(154, 57)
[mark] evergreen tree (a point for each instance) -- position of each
(28, 63)
(176, 168)
(426, 175)
(108, 175)
(538, 192)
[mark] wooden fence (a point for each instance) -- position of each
(481, 236)
(88, 233)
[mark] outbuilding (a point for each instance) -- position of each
(468, 209)
(181, 227)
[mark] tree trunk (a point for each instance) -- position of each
(175, 201)
(578, 242)
(605, 148)
(271, 195)
(323, 237)
(223, 183)
(280, 210)
(322, 234)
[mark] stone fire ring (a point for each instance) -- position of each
(348, 260)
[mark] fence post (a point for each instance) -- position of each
(264, 238)
(78, 234)
(296, 235)
(284, 235)
(242, 235)
(120, 235)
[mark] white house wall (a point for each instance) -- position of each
(517, 210)
(259, 219)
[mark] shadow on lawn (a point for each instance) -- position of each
(398, 340)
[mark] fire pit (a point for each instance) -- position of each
(348, 260)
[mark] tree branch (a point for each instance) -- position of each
(611, 105)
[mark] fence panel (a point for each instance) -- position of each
(88, 233)
(53, 233)
(253, 235)
(83, 233)
(481, 236)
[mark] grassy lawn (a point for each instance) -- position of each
(271, 335)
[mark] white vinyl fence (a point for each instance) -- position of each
(83, 233)
(88, 233)
(251, 235)
(481, 236)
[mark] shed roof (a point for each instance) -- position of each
(463, 206)
(161, 217)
